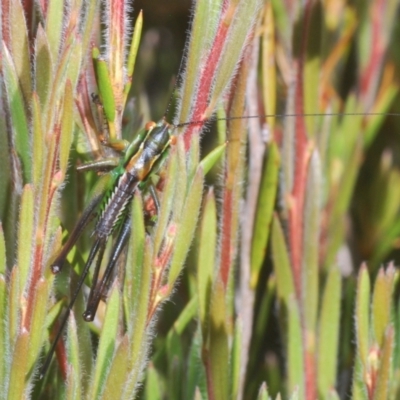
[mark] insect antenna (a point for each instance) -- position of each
(333, 114)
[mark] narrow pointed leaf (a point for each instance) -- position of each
(362, 314)
(382, 304)
(19, 367)
(74, 387)
(187, 227)
(67, 126)
(44, 67)
(206, 258)
(283, 273)
(264, 213)
(328, 334)
(107, 342)
(18, 114)
(20, 47)
(25, 234)
(55, 27)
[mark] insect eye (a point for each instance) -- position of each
(150, 125)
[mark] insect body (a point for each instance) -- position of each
(113, 194)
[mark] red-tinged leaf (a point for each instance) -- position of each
(202, 34)
(116, 38)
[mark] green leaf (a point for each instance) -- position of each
(106, 347)
(18, 114)
(44, 67)
(4, 342)
(383, 383)
(39, 313)
(382, 304)
(264, 212)
(13, 305)
(218, 350)
(16, 387)
(311, 235)
(153, 390)
(55, 27)
(282, 269)
(236, 360)
(134, 264)
(25, 235)
(212, 158)
(328, 335)
(206, 258)
(167, 199)
(133, 49)
(3, 260)
(118, 372)
(295, 364)
(104, 85)
(263, 393)
(67, 126)
(362, 314)
(74, 371)
(139, 316)
(186, 229)
(20, 47)
(38, 147)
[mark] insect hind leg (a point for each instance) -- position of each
(99, 289)
(98, 247)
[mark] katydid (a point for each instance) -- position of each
(112, 195)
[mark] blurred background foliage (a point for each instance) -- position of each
(313, 311)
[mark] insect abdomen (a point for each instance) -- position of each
(116, 204)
